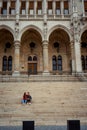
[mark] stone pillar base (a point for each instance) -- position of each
(46, 73)
(77, 73)
(73, 73)
(16, 74)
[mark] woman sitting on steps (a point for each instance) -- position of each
(24, 100)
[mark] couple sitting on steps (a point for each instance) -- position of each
(26, 98)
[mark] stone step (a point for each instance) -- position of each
(53, 103)
(39, 78)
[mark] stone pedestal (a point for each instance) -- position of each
(16, 73)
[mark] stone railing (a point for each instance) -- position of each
(27, 16)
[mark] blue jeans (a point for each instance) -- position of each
(23, 101)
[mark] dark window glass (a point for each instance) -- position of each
(10, 63)
(83, 62)
(4, 8)
(54, 63)
(29, 58)
(34, 58)
(86, 63)
(4, 68)
(66, 8)
(59, 63)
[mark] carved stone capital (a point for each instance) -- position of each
(45, 43)
(72, 44)
(17, 44)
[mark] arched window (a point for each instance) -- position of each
(4, 68)
(34, 58)
(83, 62)
(10, 63)
(29, 58)
(54, 63)
(59, 63)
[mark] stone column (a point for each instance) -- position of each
(17, 10)
(45, 10)
(0, 7)
(76, 30)
(83, 8)
(54, 8)
(27, 8)
(8, 5)
(69, 7)
(77, 57)
(73, 57)
(16, 59)
(35, 8)
(45, 57)
(62, 8)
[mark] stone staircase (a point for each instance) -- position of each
(42, 78)
(53, 103)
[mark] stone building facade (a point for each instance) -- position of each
(43, 37)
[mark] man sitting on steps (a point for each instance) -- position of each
(29, 98)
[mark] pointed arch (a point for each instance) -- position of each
(60, 27)
(8, 29)
(31, 27)
(83, 30)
